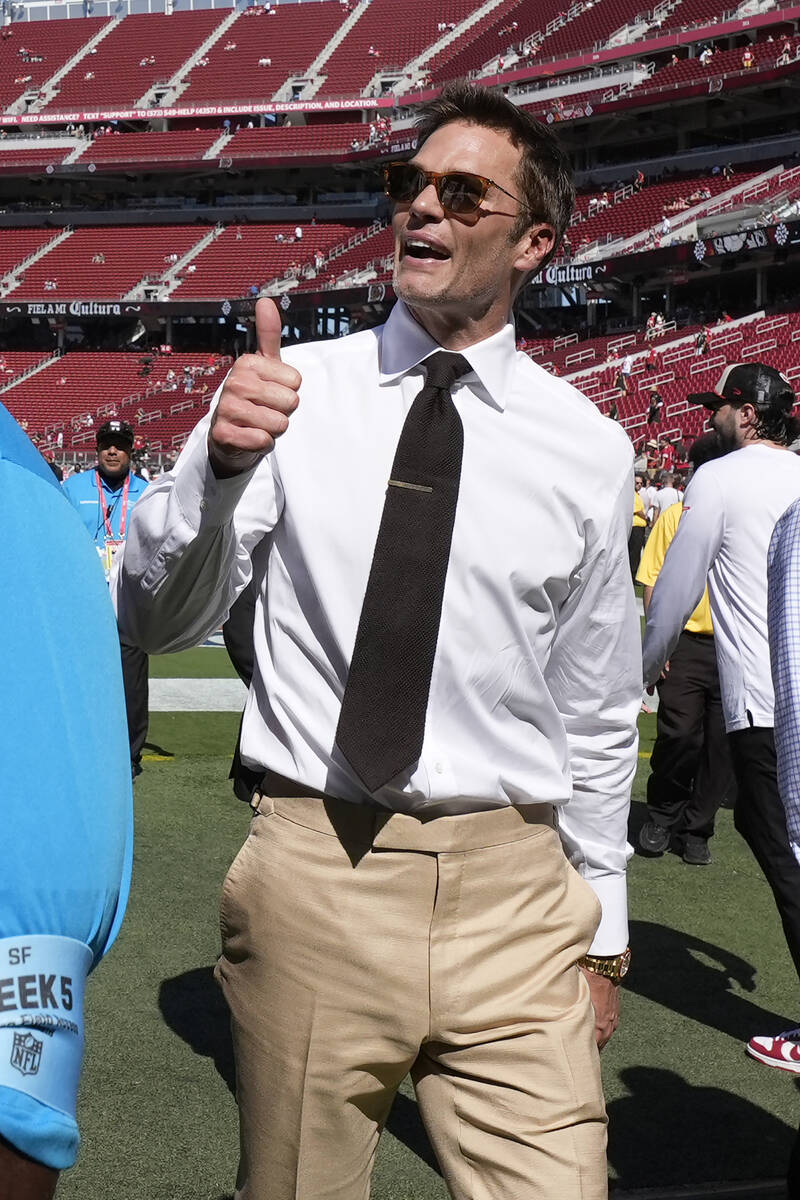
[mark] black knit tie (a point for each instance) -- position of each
(382, 722)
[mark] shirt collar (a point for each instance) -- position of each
(404, 344)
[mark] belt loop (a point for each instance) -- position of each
(262, 804)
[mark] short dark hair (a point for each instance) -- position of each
(704, 449)
(544, 173)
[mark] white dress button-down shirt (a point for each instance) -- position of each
(536, 682)
(729, 514)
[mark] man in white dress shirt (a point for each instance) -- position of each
(432, 924)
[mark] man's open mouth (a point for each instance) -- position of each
(421, 251)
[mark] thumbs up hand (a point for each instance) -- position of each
(259, 395)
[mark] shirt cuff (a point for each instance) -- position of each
(204, 499)
(612, 933)
(43, 1133)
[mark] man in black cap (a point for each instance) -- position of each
(104, 498)
(729, 514)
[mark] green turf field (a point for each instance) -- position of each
(203, 663)
(156, 1108)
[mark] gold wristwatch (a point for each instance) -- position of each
(614, 968)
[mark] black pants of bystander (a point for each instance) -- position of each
(135, 677)
(760, 818)
(691, 767)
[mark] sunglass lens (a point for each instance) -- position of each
(403, 182)
(460, 193)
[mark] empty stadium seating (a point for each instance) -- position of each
(42, 155)
(290, 38)
(121, 69)
(14, 363)
(249, 256)
(129, 252)
(492, 35)
(239, 258)
(690, 13)
(17, 244)
(52, 42)
(148, 147)
(394, 36)
(592, 27)
(275, 142)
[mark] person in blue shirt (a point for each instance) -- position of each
(103, 498)
(66, 803)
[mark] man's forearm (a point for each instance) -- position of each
(178, 575)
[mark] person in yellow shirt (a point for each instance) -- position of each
(638, 528)
(691, 769)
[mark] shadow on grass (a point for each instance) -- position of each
(193, 1007)
(690, 976)
(667, 1132)
(405, 1124)
(153, 748)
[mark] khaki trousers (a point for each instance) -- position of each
(359, 946)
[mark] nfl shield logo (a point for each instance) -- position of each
(26, 1053)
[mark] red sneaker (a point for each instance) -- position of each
(782, 1051)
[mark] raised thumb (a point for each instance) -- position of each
(268, 328)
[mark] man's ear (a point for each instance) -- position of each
(534, 245)
(748, 416)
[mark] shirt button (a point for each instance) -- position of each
(203, 505)
(439, 768)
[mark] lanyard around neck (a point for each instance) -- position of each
(107, 513)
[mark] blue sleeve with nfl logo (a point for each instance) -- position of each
(65, 793)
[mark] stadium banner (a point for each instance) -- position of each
(124, 309)
(580, 273)
(81, 116)
(59, 312)
(785, 234)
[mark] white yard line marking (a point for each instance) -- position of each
(197, 695)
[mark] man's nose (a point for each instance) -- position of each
(427, 203)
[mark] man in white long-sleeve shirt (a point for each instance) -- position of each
(729, 514)
(429, 921)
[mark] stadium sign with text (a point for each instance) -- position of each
(580, 273)
(79, 116)
(73, 308)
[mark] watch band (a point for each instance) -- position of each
(614, 967)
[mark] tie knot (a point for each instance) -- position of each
(444, 368)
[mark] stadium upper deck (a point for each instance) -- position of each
(329, 48)
(124, 156)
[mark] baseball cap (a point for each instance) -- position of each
(117, 429)
(749, 383)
